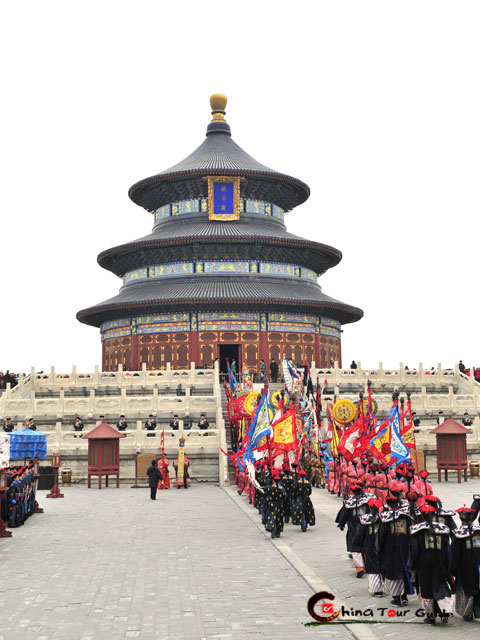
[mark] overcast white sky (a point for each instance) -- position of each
(375, 105)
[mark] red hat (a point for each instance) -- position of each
(430, 498)
(412, 496)
(396, 486)
(424, 474)
(302, 473)
(373, 502)
(427, 508)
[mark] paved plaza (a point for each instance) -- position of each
(194, 564)
(113, 564)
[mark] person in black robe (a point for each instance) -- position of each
(445, 516)
(150, 426)
(274, 370)
(303, 513)
(466, 555)
(353, 507)
(288, 483)
(476, 505)
(431, 560)
(393, 544)
(274, 504)
(154, 476)
(260, 479)
(365, 538)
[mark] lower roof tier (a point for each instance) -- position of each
(253, 293)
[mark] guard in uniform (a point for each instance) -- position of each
(150, 425)
(203, 422)
(78, 425)
(8, 425)
(122, 424)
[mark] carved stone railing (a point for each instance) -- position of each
(63, 439)
(169, 379)
(92, 405)
(411, 378)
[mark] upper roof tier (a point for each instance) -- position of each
(218, 155)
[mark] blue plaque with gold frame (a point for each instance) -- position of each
(223, 198)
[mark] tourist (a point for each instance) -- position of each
(353, 365)
(122, 424)
(30, 424)
(461, 367)
(8, 425)
(174, 423)
(273, 370)
(154, 476)
(440, 418)
(150, 425)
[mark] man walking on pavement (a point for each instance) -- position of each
(154, 475)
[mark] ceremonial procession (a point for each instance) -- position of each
(239, 385)
(398, 533)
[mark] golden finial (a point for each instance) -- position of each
(218, 102)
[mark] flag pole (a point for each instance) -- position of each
(409, 409)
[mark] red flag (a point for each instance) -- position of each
(350, 442)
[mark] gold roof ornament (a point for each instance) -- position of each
(218, 102)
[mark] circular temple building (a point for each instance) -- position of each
(219, 276)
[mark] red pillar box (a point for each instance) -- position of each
(451, 448)
(55, 491)
(103, 453)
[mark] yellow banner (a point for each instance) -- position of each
(284, 431)
(180, 465)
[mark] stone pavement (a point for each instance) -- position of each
(113, 564)
(322, 550)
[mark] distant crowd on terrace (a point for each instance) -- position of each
(8, 377)
(468, 372)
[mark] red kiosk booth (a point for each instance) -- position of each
(451, 448)
(103, 453)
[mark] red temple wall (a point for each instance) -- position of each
(202, 347)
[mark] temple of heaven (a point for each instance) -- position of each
(219, 276)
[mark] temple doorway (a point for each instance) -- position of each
(229, 351)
